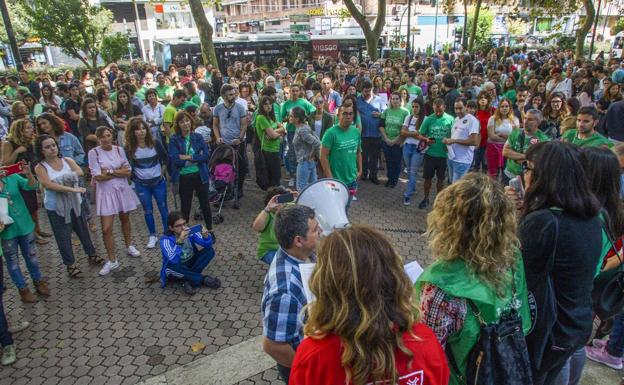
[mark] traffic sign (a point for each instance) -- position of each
(299, 18)
(299, 37)
(299, 27)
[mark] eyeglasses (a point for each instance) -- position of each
(320, 101)
(526, 166)
(556, 101)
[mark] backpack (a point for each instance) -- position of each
(500, 355)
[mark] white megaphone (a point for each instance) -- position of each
(329, 198)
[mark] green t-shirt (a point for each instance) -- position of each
(196, 100)
(164, 92)
(193, 168)
(343, 148)
(141, 93)
(515, 143)
(268, 145)
(23, 224)
(412, 90)
(595, 140)
(267, 240)
(511, 95)
(186, 104)
(437, 128)
(394, 119)
(169, 114)
(289, 105)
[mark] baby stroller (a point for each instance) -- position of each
(223, 177)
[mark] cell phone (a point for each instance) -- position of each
(195, 229)
(285, 198)
(13, 169)
(516, 184)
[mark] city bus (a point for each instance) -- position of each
(263, 49)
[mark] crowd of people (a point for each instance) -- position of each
(544, 125)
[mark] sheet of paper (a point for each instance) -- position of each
(384, 97)
(306, 270)
(412, 269)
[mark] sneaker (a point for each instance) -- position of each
(291, 182)
(188, 288)
(353, 198)
(211, 282)
(151, 243)
(108, 267)
(8, 355)
(18, 327)
(407, 201)
(602, 344)
(133, 252)
(601, 356)
(423, 204)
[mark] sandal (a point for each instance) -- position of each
(44, 234)
(92, 227)
(41, 241)
(96, 260)
(73, 271)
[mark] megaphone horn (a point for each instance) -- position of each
(329, 199)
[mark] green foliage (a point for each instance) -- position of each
(618, 26)
(484, 29)
(516, 26)
(21, 26)
(292, 52)
(75, 26)
(566, 42)
(114, 47)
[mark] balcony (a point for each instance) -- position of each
(259, 15)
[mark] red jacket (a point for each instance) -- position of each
(483, 116)
(317, 361)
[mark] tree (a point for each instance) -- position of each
(114, 47)
(205, 32)
(618, 27)
(21, 26)
(75, 26)
(516, 26)
(581, 32)
(481, 30)
(373, 34)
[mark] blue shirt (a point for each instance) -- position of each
(282, 300)
(70, 147)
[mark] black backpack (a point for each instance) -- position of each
(500, 356)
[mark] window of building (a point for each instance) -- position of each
(173, 16)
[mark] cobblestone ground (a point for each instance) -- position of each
(121, 329)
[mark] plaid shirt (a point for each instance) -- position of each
(282, 300)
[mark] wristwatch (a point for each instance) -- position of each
(110, 171)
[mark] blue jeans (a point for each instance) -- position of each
(306, 174)
(413, 159)
(6, 338)
(145, 194)
(26, 244)
(268, 256)
(191, 270)
(457, 170)
(571, 372)
(615, 347)
(290, 160)
(393, 162)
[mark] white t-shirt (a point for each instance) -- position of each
(462, 129)
(410, 122)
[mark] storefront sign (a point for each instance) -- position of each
(325, 48)
(299, 18)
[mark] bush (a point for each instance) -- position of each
(114, 47)
(484, 30)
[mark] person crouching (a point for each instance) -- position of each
(186, 254)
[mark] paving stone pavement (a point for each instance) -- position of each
(122, 330)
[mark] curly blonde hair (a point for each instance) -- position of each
(474, 221)
(16, 133)
(363, 296)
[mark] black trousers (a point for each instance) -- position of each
(274, 170)
(189, 184)
(241, 150)
(371, 147)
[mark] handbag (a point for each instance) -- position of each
(608, 291)
(4, 211)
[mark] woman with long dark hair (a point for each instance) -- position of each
(363, 326)
(560, 234)
(148, 159)
(270, 134)
(412, 156)
(123, 112)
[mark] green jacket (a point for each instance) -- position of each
(456, 280)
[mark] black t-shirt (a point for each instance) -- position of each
(71, 104)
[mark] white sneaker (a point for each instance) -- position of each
(152, 242)
(133, 252)
(109, 266)
(291, 182)
(353, 198)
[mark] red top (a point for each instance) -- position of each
(317, 361)
(483, 116)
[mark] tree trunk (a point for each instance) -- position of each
(475, 23)
(204, 28)
(465, 30)
(371, 34)
(581, 33)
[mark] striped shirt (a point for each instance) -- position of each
(282, 300)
